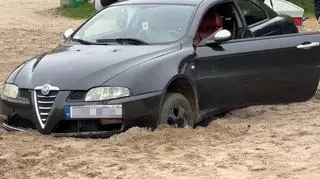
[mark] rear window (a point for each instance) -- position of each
(252, 13)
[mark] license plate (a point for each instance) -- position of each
(92, 112)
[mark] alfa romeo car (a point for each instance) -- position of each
(136, 64)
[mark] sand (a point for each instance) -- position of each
(278, 141)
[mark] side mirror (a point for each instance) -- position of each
(68, 33)
(222, 36)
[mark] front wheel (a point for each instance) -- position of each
(176, 111)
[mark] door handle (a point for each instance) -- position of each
(308, 46)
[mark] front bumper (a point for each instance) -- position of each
(94, 134)
(141, 111)
(6, 126)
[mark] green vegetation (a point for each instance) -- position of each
(87, 10)
(307, 5)
(84, 11)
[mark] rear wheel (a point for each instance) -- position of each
(176, 111)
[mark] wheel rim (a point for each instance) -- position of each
(178, 117)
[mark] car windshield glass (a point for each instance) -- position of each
(136, 25)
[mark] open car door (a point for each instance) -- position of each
(254, 71)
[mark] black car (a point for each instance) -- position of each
(145, 63)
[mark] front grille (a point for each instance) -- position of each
(44, 104)
(24, 93)
(76, 126)
(77, 96)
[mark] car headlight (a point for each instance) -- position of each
(107, 93)
(10, 91)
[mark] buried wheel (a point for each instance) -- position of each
(176, 111)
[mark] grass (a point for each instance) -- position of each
(307, 5)
(87, 10)
(83, 12)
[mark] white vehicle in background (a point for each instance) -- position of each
(287, 8)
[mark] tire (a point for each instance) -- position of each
(176, 111)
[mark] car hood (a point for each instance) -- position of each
(81, 67)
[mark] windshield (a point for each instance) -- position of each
(137, 24)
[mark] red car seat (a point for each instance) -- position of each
(211, 22)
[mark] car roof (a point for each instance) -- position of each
(182, 2)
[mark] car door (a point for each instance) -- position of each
(254, 71)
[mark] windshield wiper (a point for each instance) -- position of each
(124, 40)
(84, 42)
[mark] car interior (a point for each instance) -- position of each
(219, 17)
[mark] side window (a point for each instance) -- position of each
(252, 13)
(221, 16)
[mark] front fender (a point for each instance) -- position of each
(12, 77)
